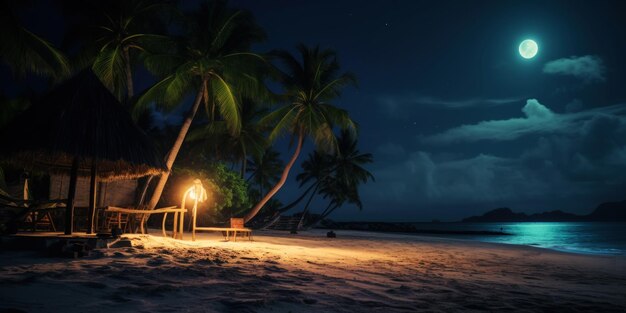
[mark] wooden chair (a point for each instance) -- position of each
(27, 214)
(41, 220)
(237, 226)
(127, 222)
(115, 219)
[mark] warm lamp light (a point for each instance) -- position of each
(197, 193)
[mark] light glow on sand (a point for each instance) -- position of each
(278, 270)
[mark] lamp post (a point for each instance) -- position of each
(197, 193)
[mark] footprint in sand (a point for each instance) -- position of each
(156, 261)
(275, 269)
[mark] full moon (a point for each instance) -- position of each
(528, 49)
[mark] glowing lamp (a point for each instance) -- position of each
(197, 193)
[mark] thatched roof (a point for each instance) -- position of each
(81, 118)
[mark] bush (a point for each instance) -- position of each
(226, 193)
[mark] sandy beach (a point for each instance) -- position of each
(278, 272)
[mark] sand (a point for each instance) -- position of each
(279, 272)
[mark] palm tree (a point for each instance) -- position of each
(211, 59)
(342, 176)
(348, 161)
(265, 169)
(310, 84)
(218, 141)
(111, 35)
(338, 192)
(317, 168)
(24, 52)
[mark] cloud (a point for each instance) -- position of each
(575, 171)
(424, 178)
(460, 104)
(570, 161)
(574, 106)
(593, 154)
(400, 107)
(538, 120)
(589, 68)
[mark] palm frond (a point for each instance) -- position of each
(24, 52)
(224, 32)
(167, 93)
(280, 121)
(162, 64)
(109, 66)
(226, 103)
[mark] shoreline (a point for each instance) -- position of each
(510, 234)
(353, 233)
(418, 231)
(404, 227)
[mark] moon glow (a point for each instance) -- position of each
(528, 49)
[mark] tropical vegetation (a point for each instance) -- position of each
(192, 79)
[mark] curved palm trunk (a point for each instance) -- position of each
(144, 190)
(289, 206)
(329, 209)
(306, 208)
(171, 155)
(130, 89)
(281, 182)
(308, 203)
(327, 212)
(295, 202)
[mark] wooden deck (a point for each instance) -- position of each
(42, 241)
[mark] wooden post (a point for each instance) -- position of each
(181, 228)
(193, 229)
(163, 225)
(175, 226)
(69, 209)
(92, 197)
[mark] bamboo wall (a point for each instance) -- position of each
(115, 193)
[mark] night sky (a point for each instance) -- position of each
(458, 122)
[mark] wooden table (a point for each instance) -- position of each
(146, 215)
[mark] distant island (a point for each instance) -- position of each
(605, 212)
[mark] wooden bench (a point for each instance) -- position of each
(236, 226)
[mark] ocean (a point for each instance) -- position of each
(578, 237)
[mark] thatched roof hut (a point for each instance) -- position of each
(79, 127)
(80, 118)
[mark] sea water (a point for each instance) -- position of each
(579, 237)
